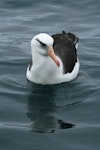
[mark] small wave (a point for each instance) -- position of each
(14, 125)
(16, 4)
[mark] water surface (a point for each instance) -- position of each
(64, 116)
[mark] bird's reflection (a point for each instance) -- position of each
(41, 108)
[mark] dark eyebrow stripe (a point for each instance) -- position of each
(41, 42)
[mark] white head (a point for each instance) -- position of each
(43, 45)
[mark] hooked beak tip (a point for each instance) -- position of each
(58, 63)
(53, 56)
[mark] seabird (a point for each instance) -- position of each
(54, 58)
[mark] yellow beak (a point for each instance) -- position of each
(53, 55)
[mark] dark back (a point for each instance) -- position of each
(64, 47)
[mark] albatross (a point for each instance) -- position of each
(54, 58)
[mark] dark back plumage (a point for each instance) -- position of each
(64, 47)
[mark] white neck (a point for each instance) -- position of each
(44, 68)
(38, 59)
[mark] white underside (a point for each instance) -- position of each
(49, 73)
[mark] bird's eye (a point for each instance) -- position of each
(42, 44)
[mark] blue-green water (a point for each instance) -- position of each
(59, 117)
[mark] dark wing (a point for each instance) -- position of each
(64, 47)
(30, 65)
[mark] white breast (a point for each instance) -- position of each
(45, 71)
